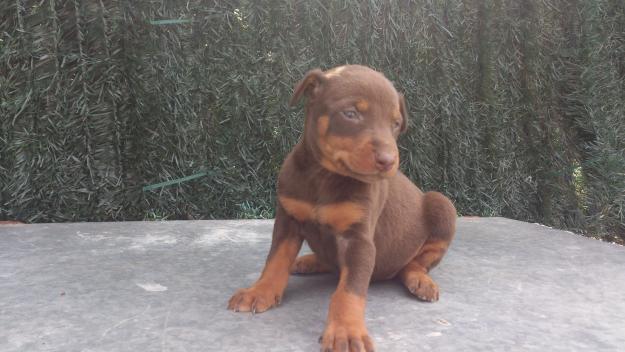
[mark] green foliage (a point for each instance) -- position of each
(517, 107)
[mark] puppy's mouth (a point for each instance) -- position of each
(365, 176)
(358, 160)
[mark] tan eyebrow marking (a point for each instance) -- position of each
(362, 105)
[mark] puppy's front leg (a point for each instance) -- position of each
(345, 328)
(267, 291)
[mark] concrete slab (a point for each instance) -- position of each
(163, 286)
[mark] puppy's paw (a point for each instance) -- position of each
(423, 287)
(255, 299)
(341, 337)
(308, 264)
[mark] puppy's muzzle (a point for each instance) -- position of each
(384, 161)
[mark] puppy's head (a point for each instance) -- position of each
(353, 118)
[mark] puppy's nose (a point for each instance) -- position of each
(384, 161)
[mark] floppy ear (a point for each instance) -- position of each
(404, 114)
(308, 86)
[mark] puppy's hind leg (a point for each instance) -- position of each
(309, 264)
(440, 218)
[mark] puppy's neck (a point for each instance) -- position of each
(307, 164)
(307, 158)
(302, 177)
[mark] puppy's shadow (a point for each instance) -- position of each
(319, 287)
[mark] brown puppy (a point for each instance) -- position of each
(339, 189)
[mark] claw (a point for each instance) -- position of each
(236, 305)
(253, 310)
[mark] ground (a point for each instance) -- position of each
(163, 286)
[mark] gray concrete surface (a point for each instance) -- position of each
(163, 286)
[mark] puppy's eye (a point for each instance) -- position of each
(396, 125)
(350, 115)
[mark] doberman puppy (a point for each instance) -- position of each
(339, 190)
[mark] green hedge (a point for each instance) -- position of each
(517, 106)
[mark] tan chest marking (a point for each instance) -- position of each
(299, 209)
(340, 216)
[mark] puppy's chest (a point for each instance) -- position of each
(337, 216)
(331, 207)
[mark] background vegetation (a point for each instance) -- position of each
(517, 106)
